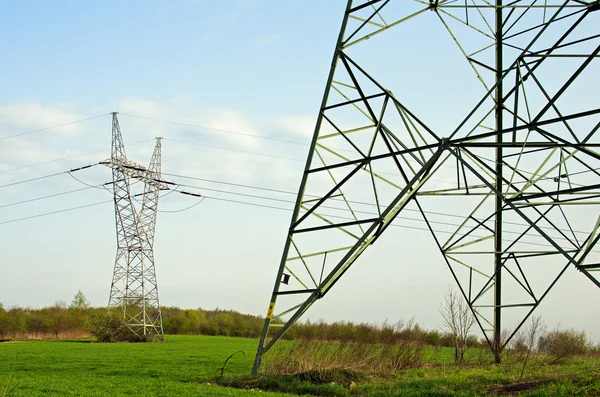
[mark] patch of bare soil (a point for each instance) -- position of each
(514, 388)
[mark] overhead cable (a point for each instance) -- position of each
(215, 129)
(56, 212)
(68, 157)
(53, 127)
(49, 175)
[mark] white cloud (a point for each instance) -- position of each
(24, 117)
(301, 126)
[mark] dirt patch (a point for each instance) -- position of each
(329, 376)
(514, 388)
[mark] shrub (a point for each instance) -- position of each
(433, 338)
(108, 326)
(563, 344)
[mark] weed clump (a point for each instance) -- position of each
(323, 362)
(562, 344)
(109, 327)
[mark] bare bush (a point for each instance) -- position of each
(561, 344)
(524, 343)
(457, 320)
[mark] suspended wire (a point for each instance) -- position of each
(236, 202)
(135, 196)
(87, 187)
(215, 129)
(248, 203)
(348, 218)
(237, 193)
(258, 197)
(228, 183)
(406, 218)
(100, 186)
(290, 158)
(33, 179)
(48, 176)
(203, 197)
(234, 150)
(308, 195)
(184, 209)
(244, 134)
(49, 196)
(54, 126)
(55, 212)
(68, 158)
(223, 199)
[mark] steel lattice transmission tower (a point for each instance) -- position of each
(511, 153)
(134, 289)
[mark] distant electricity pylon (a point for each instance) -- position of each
(514, 155)
(134, 289)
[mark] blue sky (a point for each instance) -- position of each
(249, 66)
(148, 49)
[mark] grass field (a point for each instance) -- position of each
(189, 365)
(179, 367)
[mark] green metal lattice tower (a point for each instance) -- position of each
(523, 158)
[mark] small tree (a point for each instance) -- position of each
(79, 302)
(457, 320)
(527, 341)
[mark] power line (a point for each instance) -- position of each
(228, 183)
(347, 218)
(222, 199)
(215, 129)
(54, 126)
(295, 193)
(287, 158)
(234, 150)
(48, 176)
(33, 179)
(346, 210)
(51, 196)
(237, 194)
(254, 196)
(246, 203)
(56, 212)
(67, 158)
(183, 209)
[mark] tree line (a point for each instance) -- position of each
(79, 319)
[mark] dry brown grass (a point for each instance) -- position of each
(314, 357)
(66, 335)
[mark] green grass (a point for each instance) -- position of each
(185, 365)
(577, 378)
(181, 366)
